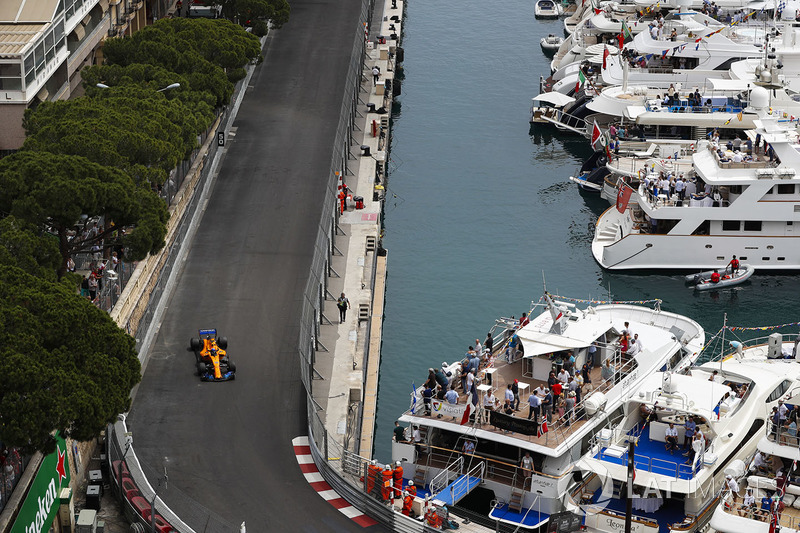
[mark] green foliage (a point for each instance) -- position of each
(138, 130)
(52, 191)
(64, 364)
(23, 245)
(247, 12)
(199, 49)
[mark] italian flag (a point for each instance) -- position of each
(581, 81)
(626, 31)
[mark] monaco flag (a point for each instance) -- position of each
(597, 137)
(623, 196)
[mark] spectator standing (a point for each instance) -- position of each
(343, 304)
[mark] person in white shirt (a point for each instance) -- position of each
(635, 347)
(679, 186)
(749, 504)
(783, 410)
(733, 486)
(671, 435)
(759, 464)
(737, 156)
(489, 401)
(563, 377)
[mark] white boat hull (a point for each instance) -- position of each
(635, 250)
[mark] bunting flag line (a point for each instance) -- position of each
(580, 300)
(739, 115)
(762, 328)
(728, 121)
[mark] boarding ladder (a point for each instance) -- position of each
(463, 484)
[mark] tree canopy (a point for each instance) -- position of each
(23, 245)
(64, 364)
(196, 48)
(131, 128)
(249, 11)
(53, 191)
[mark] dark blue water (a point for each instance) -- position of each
(480, 208)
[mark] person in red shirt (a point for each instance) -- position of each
(715, 277)
(524, 321)
(734, 265)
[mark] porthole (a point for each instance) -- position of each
(770, 247)
(765, 258)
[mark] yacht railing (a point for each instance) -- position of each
(462, 483)
(445, 477)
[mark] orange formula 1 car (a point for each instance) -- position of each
(213, 363)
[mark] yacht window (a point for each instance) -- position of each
(781, 259)
(736, 189)
(797, 209)
(703, 229)
(752, 225)
(731, 225)
(765, 258)
(789, 222)
(786, 188)
(743, 258)
(779, 390)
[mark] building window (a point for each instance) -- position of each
(752, 225)
(10, 77)
(731, 225)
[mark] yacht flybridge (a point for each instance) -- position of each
(747, 204)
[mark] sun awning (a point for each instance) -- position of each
(633, 111)
(555, 98)
(534, 347)
(721, 84)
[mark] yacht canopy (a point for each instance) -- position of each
(554, 98)
(693, 394)
(722, 84)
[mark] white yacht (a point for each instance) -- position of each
(778, 450)
(547, 9)
(748, 208)
(496, 442)
(729, 403)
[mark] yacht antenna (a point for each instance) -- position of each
(544, 281)
(722, 347)
(609, 291)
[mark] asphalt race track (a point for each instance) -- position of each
(228, 445)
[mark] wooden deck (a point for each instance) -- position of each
(506, 373)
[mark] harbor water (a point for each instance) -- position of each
(480, 211)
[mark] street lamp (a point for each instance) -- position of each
(169, 87)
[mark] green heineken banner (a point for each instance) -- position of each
(41, 504)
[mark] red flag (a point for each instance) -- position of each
(467, 410)
(606, 53)
(621, 40)
(597, 136)
(597, 11)
(623, 196)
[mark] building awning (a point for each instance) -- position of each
(555, 98)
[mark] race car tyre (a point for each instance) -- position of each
(201, 369)
(223, 343)
(195, 344)
(231, 366)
